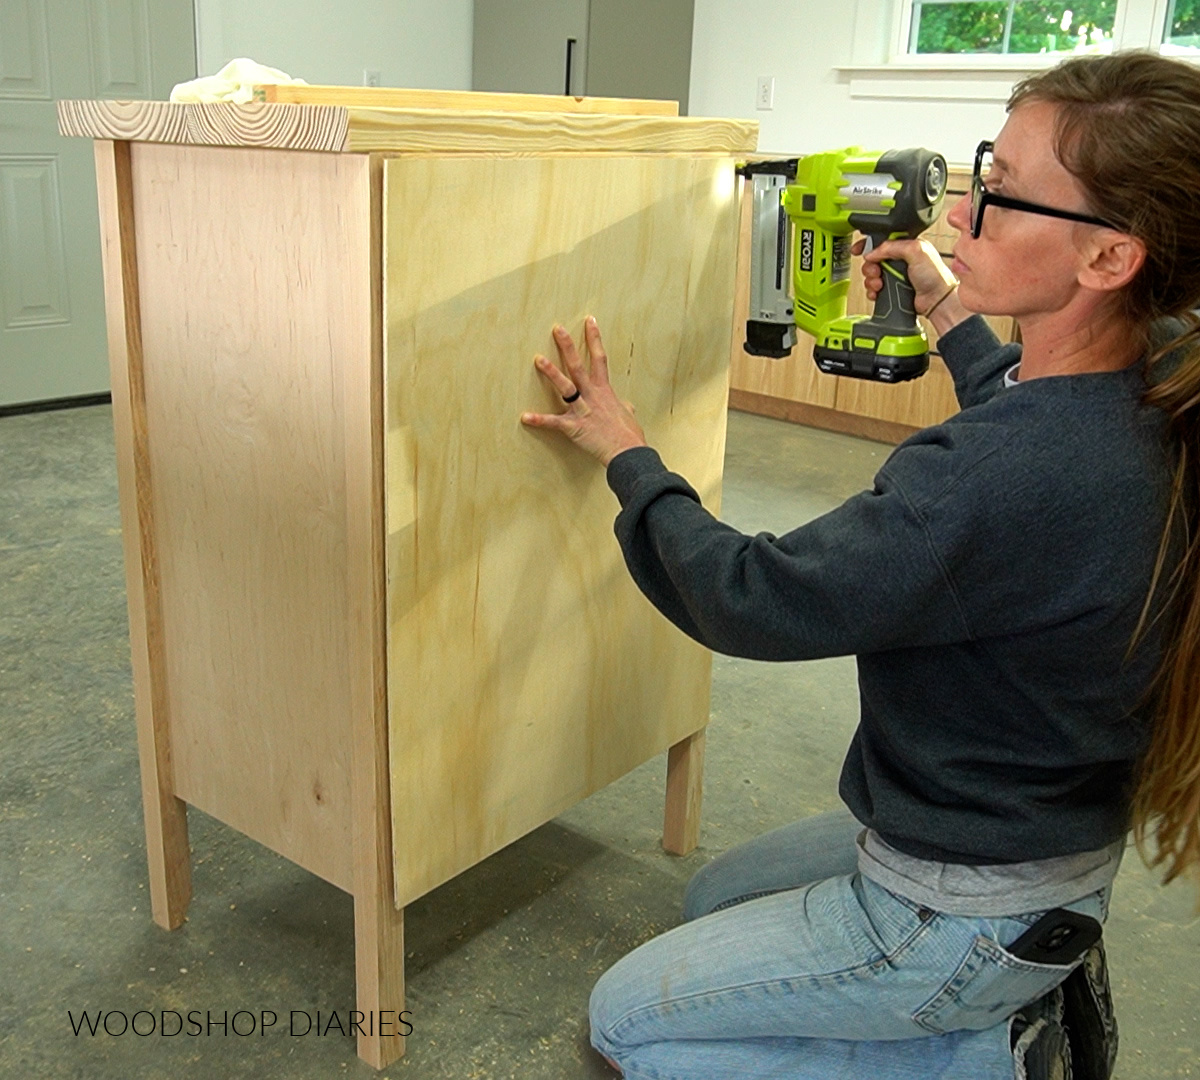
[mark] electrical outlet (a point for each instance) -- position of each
(765, 97)
(370, 77)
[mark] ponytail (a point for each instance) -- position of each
(1166, 802)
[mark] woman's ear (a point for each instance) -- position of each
(1113, 260)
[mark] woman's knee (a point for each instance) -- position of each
(610, 1001)
(731, 878)
(701, 895)
(812, 849)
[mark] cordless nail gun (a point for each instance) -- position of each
(805, 213)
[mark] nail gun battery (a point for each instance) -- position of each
(867, 364)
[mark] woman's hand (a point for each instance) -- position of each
(932, 281)
(595, 420)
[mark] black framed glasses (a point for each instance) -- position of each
(981, 199)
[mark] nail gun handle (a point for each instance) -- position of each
(895, 306)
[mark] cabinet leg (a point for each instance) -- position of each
(685, 781)
(168, 857)
(167, 854)
(379, 949)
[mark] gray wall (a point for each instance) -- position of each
(520, 45)
(627, 48)
(414, 43)
(641, 49)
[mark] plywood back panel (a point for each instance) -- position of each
(255, 293)
(525, 669)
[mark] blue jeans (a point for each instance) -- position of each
(794, 965)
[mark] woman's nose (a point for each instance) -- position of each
(960, 214)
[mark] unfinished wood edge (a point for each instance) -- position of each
(255, 124)
(269, 127)
(167, 852)
(378, 923)
(732, 288)
(741, 282)
(433, 130)
(400, 98)
(685, 791)
(136, 121)
(818, 416)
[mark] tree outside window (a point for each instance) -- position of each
(1029, 26)
(1183, 26)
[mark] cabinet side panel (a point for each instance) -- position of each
(255, 293)
(525, 669)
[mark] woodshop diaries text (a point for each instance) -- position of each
(168, 1023)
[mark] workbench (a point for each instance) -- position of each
(376, 624)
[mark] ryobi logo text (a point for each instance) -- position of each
(807, 242)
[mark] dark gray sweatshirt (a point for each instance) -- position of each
(989, 585)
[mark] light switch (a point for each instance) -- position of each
(766, 92)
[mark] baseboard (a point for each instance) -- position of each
(799, 412)
(53, 404)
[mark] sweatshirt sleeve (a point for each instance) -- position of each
(976, 359)
(863, 578)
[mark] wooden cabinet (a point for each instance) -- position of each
(794, 389)
(377, 624)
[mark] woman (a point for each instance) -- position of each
(1020, 589)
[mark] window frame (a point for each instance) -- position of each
(1168, 7)
(879, 68)
(1137, 24)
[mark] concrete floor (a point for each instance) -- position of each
(500, 960)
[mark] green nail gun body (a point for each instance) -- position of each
(806, 211)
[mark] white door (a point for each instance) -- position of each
(526, 46)
(52, 334)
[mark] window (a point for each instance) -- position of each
(1035, 27)
(974, 50)
(1182, 33)
(1011, 26)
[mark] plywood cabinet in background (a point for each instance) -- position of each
(378, 625)
(794, 389)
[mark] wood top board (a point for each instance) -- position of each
(341, 129)
(387, 97)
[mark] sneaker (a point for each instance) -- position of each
(1039, 1042)
(1089, 1018)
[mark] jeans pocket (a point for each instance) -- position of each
(988, 987)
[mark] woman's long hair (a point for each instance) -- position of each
(1128, 129)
